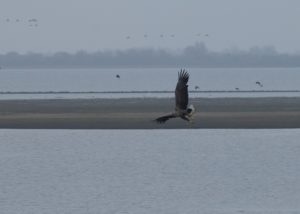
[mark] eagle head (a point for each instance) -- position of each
(190, 110)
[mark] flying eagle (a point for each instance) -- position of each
(181, 100)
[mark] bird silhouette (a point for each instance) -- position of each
(259, 83)
(182, 109)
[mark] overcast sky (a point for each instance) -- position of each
(92, 25)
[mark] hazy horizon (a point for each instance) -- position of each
(99, 25)
(197, 55)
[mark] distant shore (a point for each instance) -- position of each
(139, 113)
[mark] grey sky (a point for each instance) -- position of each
(72, 25)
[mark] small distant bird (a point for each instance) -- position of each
(127, 37)
(207, 35)
(237, 89)
(181, 100)
(32, 20)
(259, 83)
(196, 87)
(118, 76)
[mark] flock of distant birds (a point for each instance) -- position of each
(32, 22)
(258, 83)
(171, 35)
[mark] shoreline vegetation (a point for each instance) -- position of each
(197, 55)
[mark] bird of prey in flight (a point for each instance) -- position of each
(181, 100)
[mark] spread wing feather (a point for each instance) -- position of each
(163, 119)
(181, 91)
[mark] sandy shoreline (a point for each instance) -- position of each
(139, 113)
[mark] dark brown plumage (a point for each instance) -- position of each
(181, 100)
(181, 91)
(163, 119)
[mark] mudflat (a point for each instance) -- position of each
(139, 113)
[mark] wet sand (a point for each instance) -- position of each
(139, 113)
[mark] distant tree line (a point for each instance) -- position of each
(193, 56)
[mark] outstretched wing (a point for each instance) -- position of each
(181, 91)
(163, 119)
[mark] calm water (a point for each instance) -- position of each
(210, 82)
